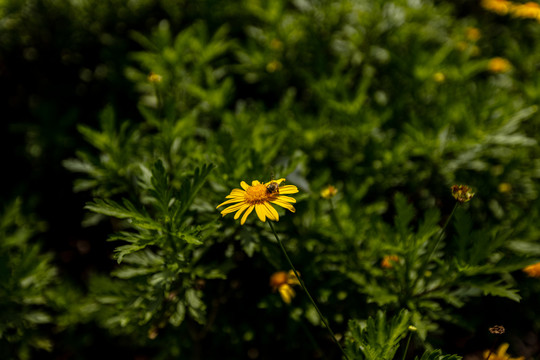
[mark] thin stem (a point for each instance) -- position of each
(407, 346)
(439, 238)
(442, 232)
(306, 290)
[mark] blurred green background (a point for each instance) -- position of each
(374, 97)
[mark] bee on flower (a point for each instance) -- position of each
(283, 283)
(462, 193)
(259, 196)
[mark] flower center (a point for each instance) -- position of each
(257, 194)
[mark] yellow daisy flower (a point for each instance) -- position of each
(258, 196)
(529, 10)
(499, 65)
(329, 192)
(282, 282)
(500, 354)
(501, 7)
(533, 270)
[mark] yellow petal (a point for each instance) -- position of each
(244, 185)
(260, 210)
(255, 183)
(248, 211)
(231, 209)
(239, 212)
(501, 351)
(275, 181)
(237, 192)
(284, 204)
(286, 198)
(292, 279)
(229, 202)
(271, 212)
(286, 292)
(288, 189)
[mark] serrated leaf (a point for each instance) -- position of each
(438, 355)
(379, 339)
(499, 289)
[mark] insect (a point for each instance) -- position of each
(272, 188)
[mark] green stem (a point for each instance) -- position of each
(439, 238)
(306, 290)
(407, 346)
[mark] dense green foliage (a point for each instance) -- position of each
(392, 102)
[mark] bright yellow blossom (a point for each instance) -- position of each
(283, 282)
(329, 192)
(499, 65)
(501, 7)
(533, 270)
(500, 354)
(529, 10)
(258, 196)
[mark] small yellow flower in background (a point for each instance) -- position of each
(529, 10)
(500, 354)
(462, 193)
(439, 77)
(329, 192)
(283, 282)
(258, 196)
(505, 187)
(533, 270)
(154, 78)
(501, 7)
(472, 34)
(499, 65)
(388, 261)
(273, 66)
(275, 44)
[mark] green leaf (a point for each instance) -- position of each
(437, 355)
(178, 316)
(127, 211)
(379, 339)
(404, 216)
(498, 289)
